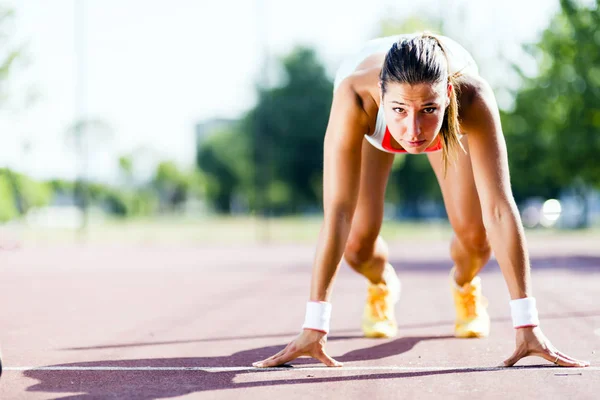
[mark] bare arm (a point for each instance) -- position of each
(502, 220)
(490, 167)
(341, 177)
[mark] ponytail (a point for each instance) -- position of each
(450, 132)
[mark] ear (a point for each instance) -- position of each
(449, 93)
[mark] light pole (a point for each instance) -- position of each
(261, 145)
(81, 195)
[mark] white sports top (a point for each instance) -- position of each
(459, 59)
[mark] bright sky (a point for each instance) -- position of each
(153, 69)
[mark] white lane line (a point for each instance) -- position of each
(234, 369)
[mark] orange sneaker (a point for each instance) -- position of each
(472, 319)
(379, 319)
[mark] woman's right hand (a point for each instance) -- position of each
(309, 343)
(348, 122)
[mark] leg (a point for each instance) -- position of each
(366, 252)
(469, 249)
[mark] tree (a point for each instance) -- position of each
(175, 186)
(553, 130)
(288, 126)
(31, 194)
(224, 159)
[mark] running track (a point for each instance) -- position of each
(157, 322)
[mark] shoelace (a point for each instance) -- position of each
(469, 303)
(468, 299)
(377, 301)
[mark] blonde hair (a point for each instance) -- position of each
(423, 59)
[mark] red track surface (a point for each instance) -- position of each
(116, 315)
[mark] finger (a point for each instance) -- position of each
(278, 354)
(325, 359)
(270, 358)
(275, 361)
(516, 356)
(553, 357)
(582, 363)
(568, 362)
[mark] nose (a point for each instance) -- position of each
(413, 129)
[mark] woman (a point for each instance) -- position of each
(417, 94)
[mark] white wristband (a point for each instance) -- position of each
(524, 312)
(318, 315)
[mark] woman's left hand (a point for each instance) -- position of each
(532, 342)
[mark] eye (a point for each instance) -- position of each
(399, 109)
(429, 110)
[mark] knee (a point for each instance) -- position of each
(363, 247)
(473, 239)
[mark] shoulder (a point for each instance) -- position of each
(476, 99)
(355, 98)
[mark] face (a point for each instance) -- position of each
(415, 113)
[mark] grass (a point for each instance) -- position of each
(211, 230)
(224, 230)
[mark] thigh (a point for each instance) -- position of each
(375, 170)
(460, 194)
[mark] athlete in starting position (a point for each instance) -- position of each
(418, 93)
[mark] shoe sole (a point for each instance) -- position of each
(471, 335)
(378, 335)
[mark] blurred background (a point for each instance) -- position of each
(203, 121)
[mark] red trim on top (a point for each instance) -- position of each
(315, 329)
(525, 326)
(386, 143)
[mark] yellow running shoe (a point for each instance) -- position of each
(472, 319)
(379, 320)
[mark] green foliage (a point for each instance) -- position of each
(225, 161)
(33, 193)
(130, 204)
(175, 186)
(553, 131)
(61, 186)
(8, 208)
(122, 202)
(126, 165)
(289, 124)
(21, 193)
(411, 182)
(273, 158)
(279, 196)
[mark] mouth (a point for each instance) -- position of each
(416, 143)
